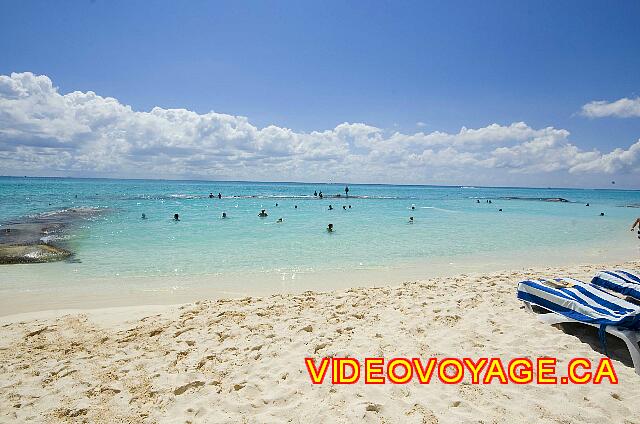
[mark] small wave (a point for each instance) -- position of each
(53, 237)
(438, 209)
(79, 211)
(35, 254)
(272, 196)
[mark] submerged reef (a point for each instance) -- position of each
(40, 238)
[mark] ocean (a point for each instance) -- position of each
(454, 230)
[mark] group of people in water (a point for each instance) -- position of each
(263, 212)
(319, 194)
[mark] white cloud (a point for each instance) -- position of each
(622, 108)
(48, 133)
(421, 124)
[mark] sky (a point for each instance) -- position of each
(499, 93)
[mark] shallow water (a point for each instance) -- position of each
(449, 227)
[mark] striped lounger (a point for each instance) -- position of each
(619, 281)
(571, 300)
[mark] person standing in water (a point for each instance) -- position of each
(330, 228)
(346, 190)
(224, 215)
(262, 214)
(636, 223)
(320, 195)
(144, 216)
(219, 195)
(176, 217)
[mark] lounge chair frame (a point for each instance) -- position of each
(630, 337)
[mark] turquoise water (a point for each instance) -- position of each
(373, 234)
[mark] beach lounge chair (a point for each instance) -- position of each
(619, 281)
(570, 300)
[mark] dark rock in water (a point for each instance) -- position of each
(31, 253)
(540, 199)
(27, 233)
(31, 239)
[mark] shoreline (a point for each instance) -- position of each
(34, 287)
(229, 360)
(163, 303)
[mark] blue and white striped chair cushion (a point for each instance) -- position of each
(579, 301)
(620, 281)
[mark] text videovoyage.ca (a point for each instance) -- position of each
(542, 370)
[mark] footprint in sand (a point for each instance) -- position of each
(182, 389)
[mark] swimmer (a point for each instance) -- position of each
(349, 206)
(587, 204)
(413, 208)
(210, 195)
(224, 215)
(478, 201)
(330, 207)
(279, 220)
(637, 222)
(489, 201)
(276, 205)
(176, 217)
(144, 216)
(410, 220)
(330, 228)
(219, 195)
(344, 207)
(315, 193)
(320, 195)
(499, 210)
(263, 214)
(295, 206)
(601, 213)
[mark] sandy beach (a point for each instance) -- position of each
(242, 360)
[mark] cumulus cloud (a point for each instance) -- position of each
(45, 132)
(622, 108)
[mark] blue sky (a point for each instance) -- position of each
(312, 66)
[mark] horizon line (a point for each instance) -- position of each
(323, 183)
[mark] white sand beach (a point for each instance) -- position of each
(242, 360)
